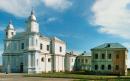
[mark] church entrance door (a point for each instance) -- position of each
(21, 67)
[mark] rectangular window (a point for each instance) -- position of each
(103, 56)
(22, 46)
(41, 45)
(117, 67)
(6, 33)
(42, 59)
(82, 60)
(12, 33)
(49, 59)
(60, 49)
(117, 56)
(86, 60)
(96, 56)
(78, 60)
(48, 47)
(109, 56)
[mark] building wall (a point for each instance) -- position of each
(83, 62)
(106, 62)
(70, 62)
(119, 60)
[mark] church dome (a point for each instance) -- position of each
(32, 17)
(10, 25)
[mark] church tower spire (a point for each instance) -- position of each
(32, 25)
(10, 31)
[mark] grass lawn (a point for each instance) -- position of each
(81, 77)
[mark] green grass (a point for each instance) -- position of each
(82, 77)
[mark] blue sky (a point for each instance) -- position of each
(82, 24)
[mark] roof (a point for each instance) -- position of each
(19, 35)
(110, 45)
(57, 39)
(85, 54)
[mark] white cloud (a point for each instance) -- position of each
(19, 8)
(58, 4)
(51, 19)
(113, 17)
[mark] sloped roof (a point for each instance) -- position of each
(19, 35)
(85, 54)
(57, 39)
(110, 45)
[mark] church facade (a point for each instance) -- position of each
(31, 52)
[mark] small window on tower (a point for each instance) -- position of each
(60, 49)
(12, 33)
(41, 46)
(6, 33)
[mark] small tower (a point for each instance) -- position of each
(32, 25)
(10, 31)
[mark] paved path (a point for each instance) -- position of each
(20, 77)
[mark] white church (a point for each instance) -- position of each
(31, 52)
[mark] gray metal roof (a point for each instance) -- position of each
(110, 45)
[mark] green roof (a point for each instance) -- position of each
(110, 45)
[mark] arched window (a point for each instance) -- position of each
(102, 67)
(96, 67)
(42, 59)
(109, 67)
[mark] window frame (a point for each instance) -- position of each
(22, 46)
(103, 56)
(42, 59)
(96, 67)
(109, 67)
(60, 49)
(96, 56)
(49, 59)
(48, 47)
(109, 56)
(41, 46)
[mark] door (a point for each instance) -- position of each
(21, 67)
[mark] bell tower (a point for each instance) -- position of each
(32, 25)
(10, 31)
